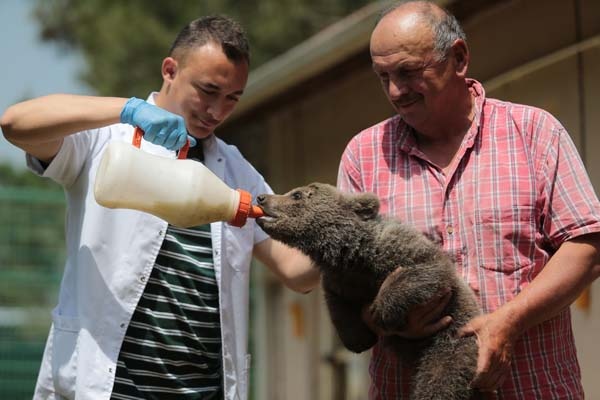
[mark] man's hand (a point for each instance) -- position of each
(159, 125)
(495, 337)
(422, 320)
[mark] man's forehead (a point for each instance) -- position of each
(398, 32)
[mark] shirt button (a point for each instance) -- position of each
(122, 325)
(450, 229)
(143, 278)
(159, 233)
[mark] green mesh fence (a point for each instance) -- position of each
(32, 253)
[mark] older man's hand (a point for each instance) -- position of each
(496, 335)
(422, 320)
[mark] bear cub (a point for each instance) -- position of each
(366, 259)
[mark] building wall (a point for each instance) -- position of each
(587, 321)
(522, 51)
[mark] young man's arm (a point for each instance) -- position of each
(292, 267)
(38, 126)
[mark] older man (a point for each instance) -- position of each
(503, 190)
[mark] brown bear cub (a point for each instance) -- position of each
(356, 249)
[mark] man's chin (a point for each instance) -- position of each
(200, 132)
(411, 111)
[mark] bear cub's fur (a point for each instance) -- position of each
(367, 259)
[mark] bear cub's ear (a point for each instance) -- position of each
(365, 205)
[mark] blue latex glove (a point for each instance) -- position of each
(159, 125)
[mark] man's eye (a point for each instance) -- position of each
(408, 72)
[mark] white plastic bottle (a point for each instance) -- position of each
(185, 193)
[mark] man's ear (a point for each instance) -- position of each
(169, 69)
(365, 205)
(460, 53)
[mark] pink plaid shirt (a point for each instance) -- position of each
(516, 191)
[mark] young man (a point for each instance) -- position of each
(500, 186)
(147, 310)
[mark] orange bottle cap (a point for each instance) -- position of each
(245, 210)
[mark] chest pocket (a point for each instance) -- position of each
(239, 243)
(505, 239)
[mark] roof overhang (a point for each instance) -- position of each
(319, 53)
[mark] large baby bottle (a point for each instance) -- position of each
(183, 192)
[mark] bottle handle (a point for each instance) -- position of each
(137, 142)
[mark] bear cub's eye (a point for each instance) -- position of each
(297, 195)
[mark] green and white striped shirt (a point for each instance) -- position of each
(172, 347)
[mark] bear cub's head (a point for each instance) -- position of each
(315, 212)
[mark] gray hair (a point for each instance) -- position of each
(445, 26)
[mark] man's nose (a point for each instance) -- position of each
(218, 110)
(397, 87)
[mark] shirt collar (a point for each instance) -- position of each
(478, 93)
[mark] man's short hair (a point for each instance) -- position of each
(218, 29)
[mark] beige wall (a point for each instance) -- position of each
(299, 136)
(587, 323)
(304, 136)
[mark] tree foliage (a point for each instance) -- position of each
(12, 177)
(124, 42)
(32, 248)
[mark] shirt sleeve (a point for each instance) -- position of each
(68, 163)
(570, 205)
(349, 175)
